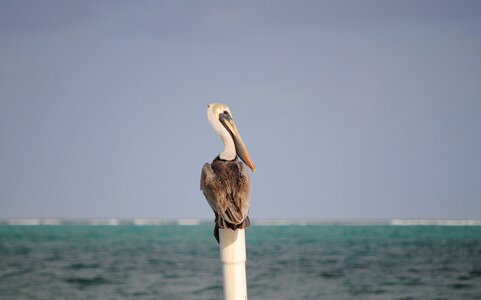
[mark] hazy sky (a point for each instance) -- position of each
(350, 109)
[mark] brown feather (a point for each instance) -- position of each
(226, 186)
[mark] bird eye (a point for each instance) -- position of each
(226, 112)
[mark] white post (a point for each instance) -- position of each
(233, 256)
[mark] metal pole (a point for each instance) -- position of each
(233, 257)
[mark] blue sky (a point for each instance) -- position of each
(349, 109)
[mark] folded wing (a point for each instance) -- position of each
(226, 187)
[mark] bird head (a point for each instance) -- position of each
(220, 117)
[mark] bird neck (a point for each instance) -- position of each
(229, 152)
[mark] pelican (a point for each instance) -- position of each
(225, 182)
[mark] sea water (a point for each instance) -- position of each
(284, 262)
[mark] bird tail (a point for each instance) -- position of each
(216, 233)
(246, 223)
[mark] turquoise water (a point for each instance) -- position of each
(284, 262)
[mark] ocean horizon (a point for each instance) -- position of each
(268, 222)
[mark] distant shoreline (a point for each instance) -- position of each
(256, 222)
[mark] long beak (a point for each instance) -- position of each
(240, 148)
